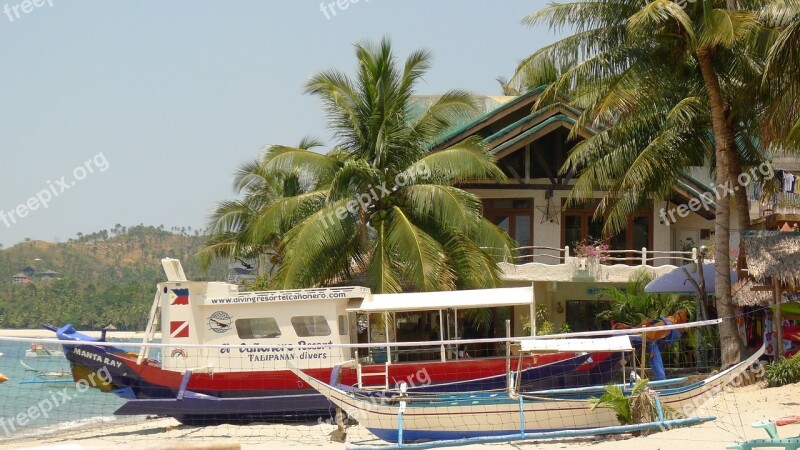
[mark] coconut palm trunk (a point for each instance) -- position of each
(731, 345)
(740, 196)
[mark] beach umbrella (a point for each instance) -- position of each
(675, 281)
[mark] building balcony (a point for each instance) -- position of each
(614, 266)
(782, 210)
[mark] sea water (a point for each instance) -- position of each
(35, 410)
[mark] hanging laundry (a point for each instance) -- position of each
(788, 182)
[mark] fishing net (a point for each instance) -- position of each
(119, 392)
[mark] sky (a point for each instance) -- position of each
(129, 112)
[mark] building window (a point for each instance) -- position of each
(580, 225)
(306, 326)
(515, 216)
(582, 314)
(258, 328)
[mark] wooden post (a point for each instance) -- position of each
(441, 336)
(508, 354)
(778, 297)
(340, 420)
(386, 330)
(455, 321)
(533, 309)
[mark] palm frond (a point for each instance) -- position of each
(423, 257)
(467, 160)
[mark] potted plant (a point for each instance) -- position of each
(591, 251)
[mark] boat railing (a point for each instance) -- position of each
(567, 255)
(446, 342)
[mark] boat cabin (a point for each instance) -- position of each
(276, 323)
(431, 316)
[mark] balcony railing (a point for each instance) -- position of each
(642, 257)
(780, 203)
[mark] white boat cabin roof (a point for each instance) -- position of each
(425, 301)
(608, 344)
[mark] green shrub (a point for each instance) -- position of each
(635, 407)
(638, 406)
(784, 371)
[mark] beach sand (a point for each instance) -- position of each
(737, 411)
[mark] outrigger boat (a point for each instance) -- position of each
(449, 421)
(40, 351)
(45, 376)
(200, 320)
(193, 408)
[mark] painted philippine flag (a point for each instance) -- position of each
(179, 296)
(179, 329)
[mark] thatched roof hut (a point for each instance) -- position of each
(773, 259)
(773, 256)
(743, 296)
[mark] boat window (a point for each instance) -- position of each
(343, 325)
(306, 326)
(257, 328)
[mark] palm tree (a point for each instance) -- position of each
(633, 305)
(381, 205)
(264, 195)
(660, 83)
(782, 76)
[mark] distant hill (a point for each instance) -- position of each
(106, 277)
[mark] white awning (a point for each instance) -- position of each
(608, 344)
(426, 301)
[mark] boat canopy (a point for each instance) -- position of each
(608, 344)
(424, 301)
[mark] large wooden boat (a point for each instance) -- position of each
(201, 321)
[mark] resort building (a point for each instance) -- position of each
(27, 275)
(782, 209)
(48, 275)
(20, 278)
(531, 147)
